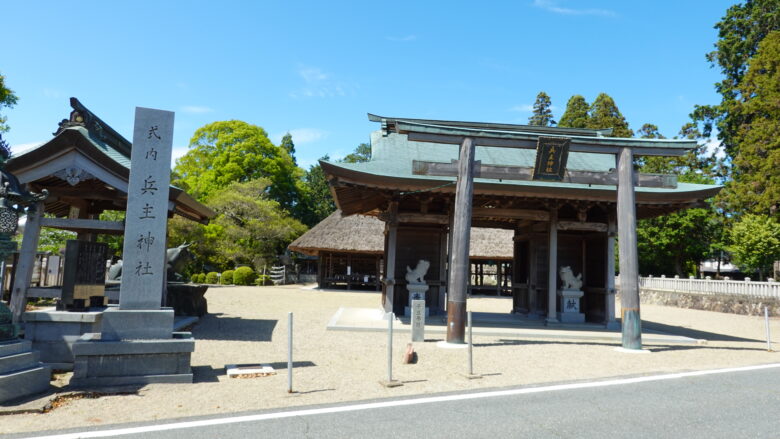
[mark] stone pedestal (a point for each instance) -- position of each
(100, 362)
(21, 373)
(416, 292)
(134, 347)
(570, 306)
(54, 332)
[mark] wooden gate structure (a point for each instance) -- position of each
(565, 192)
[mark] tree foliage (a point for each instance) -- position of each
(249, 228)
(7, 99)
(542, 114)
(361, 154)
(288, 145)
(604, 113)
(755, 243)
(232, 151)
(576, 113)
(755, 182)
(317, 202)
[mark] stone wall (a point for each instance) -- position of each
(752, 306)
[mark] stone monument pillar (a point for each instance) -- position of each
(137, 344)
(416, 285)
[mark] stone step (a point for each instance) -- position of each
(24, 383)
(13, 363)
(14, 347)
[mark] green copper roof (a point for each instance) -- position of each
(392, 156)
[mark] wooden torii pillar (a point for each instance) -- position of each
(459, 253)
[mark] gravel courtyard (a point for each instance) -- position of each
(248, 325)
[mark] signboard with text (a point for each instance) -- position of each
(551, 156)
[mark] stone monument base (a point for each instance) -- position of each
(105, 362)
(570, 306)
(137, 324)
(53, 333)
(21, 373)
(416, 292)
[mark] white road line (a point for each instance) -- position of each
(398, 403)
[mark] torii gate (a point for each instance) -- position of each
(512, 137)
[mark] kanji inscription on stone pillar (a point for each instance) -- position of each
(143, 255)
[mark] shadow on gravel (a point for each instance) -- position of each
(651, 347)
(217, 327)
(206, 374)
(693, 333)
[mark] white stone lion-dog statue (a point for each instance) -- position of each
(570, 282)
(416, 276)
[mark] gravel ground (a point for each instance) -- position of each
(248, 325)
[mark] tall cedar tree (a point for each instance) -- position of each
(755, 184)
(542, 115)
(604, 113)
(288, 145)
(576, 114)
(740, 32)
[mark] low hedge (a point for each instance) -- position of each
(227, 277)
(212, 277)
(244, 276)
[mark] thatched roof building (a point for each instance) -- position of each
(365, 234)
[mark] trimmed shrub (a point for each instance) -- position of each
(212, 277)
(227, 277)
(194, 278)
(202, 278)
(244, 276)
(263, 279)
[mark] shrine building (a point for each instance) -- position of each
(564, 193)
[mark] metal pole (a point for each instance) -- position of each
(471, 356)
(289, 351)
(768, 338)
(390, 318)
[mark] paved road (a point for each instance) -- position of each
(726, 404)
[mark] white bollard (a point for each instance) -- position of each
(289, 351)
(390, 318)
(768, 338)
(471, 356)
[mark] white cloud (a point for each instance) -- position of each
(196, 109)
(524, 108)
(319, 84)
(713, 146)
(312, 74)
(303, 135)
(403, 39)
(51, 93)
(552, 6)
(178, 152)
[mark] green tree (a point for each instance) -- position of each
(542, 115)
(115, 242)
(677, 243)
(7, 99)
(755, 243)
(755, 183)
(576, 114)
(250, 227)
(317, 202)
(288, 145)
(740, 32)
(361, 154)
(225, 152)
(604, 113)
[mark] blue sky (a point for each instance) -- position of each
(316, 68)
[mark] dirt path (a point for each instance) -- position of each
(249, 325)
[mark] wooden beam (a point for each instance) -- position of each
(522, 173)
(582, 226)
(552, 269)
(429, 218)
(523, 214)
(84, 225)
